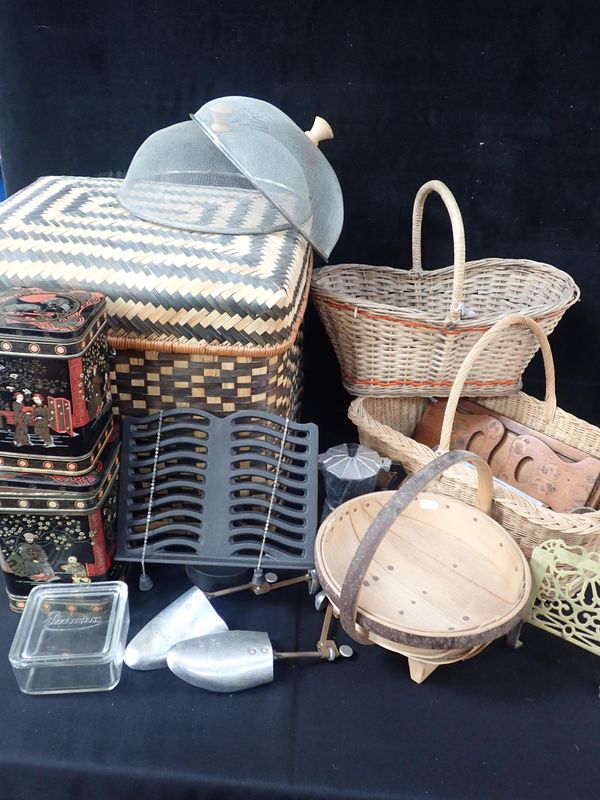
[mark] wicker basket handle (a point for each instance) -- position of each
(378, 528)
(458, 235)
(494, 334)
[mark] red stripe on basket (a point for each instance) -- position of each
(350, 379)
(410, 324)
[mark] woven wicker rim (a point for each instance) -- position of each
(410, 316)
(200, 347)
(434, 384)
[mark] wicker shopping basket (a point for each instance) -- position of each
(406, 332)
(387, 424)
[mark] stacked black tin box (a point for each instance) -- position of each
(58, 443)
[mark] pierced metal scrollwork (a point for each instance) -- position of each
(566, 583)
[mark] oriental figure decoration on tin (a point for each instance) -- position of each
(32, 400)
(36, 549)
(45, 403)
(37, 414)
(54, 379)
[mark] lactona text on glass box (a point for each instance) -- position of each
(71, 638)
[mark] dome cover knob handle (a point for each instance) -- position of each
(320, 131)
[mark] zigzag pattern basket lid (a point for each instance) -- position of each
(160, 283)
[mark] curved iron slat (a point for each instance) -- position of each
(215, 490)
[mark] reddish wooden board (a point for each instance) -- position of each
(558, 474)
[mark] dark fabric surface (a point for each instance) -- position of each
(498, 99)
(504, 725)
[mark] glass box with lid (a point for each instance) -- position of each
(71, 638)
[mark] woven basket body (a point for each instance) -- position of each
(147, 380)
(406, 332)
(195, 319)
(387, 424)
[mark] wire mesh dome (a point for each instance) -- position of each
(240, 166)
(180, 179)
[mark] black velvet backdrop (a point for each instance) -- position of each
(500, 100)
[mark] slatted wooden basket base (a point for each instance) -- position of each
(426, 576)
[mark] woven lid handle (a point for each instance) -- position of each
(495, 334)
(458, 235)
(376, 531)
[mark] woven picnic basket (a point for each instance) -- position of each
(150, 374)
(387, 424)
(204, 320)
(406, 332)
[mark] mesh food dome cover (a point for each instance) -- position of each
(240, 166)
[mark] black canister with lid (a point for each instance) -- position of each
(349, 470)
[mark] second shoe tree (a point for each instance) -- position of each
(234, 660)
(196, 644)
(189, 616)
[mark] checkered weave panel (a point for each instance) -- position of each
(144, 382)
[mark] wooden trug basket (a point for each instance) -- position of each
(406, 332)
(423, 575)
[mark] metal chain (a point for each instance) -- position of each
(144, 579)
(273, 491)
